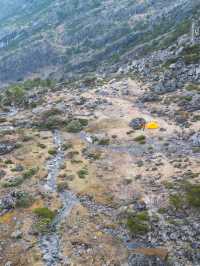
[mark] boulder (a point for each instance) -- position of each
(196, 139)
(142, 260)
(6, 147)
(138, 123)
(8, 202)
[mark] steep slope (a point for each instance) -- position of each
(63, 38)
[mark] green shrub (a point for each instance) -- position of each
(141, 139)
(52, 151)
(62, 186)
(74, 126)
(44, 213)
(29, 173)
(191, 54)
(193, 195)
(67, 146)
(193, 87)
(14, 94)
(176, 201)
(94, 155)
(84, 122)
(104, 142)
(187, 98)
(8, 161)
(45, 218)
(24, 200)
(41, 145)
(50, 123)
(43, 226)
(138, 224)
(27, 138)
(13, 182)
(82, 173)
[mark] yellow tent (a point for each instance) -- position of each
(152, 125)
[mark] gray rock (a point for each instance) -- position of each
(195, 139)
(8, 202)
(6, 147)
(19, 168)
(137, 123)
(16, 234)
(142, 260)
(150, 97)
(2, 173)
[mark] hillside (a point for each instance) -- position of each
(61, 39)
(99, 133)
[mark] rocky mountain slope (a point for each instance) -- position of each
(66, 38)
(85, 180)
(102, 167)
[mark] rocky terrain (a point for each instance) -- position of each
(83, 181)
(100, 157)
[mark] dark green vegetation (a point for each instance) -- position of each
(54, 118)
(76, 125)
(44, 219)
(193, 195)
(189, 196)
(191, 54)
(82, 173)
(104, 142)
(138, 224)
(24, 200)
(141, 139)
(18, 180)
(193, 87)
(19, 93)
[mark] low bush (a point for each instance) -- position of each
(24, 200)
(29, 173)
(82, 173)
(104, 142)
(141, 139)
(193, 195)
(13, 182)
(176, 201)
(74, 126)
(62, 186)
(138, 224)
(52, 151)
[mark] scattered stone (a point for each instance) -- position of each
(16, 234)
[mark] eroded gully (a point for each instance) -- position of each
(50, 243)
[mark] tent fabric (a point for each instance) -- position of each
(152, 125)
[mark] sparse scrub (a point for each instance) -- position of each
(52, 151)
(13, 182)
(44, 219)
(193, 195)
(24, 200)
(62, 186)
(138, 224)
(30, 172)
(104, 142)
(82, 173)
(141, 139)
(176, 201)
(74, 126)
